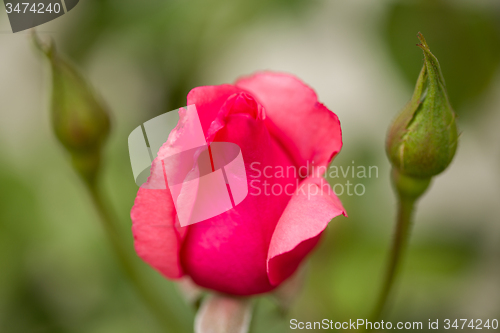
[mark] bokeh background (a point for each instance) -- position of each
(58, 273)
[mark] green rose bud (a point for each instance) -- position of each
(423, 139)
(79, 119)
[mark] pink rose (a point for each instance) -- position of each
(278, 123)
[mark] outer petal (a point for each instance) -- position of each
(304, 126)
(156, 238)
(306, 216)
(228, 252)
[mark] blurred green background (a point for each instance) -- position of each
(58, 274)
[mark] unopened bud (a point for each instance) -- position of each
(79, 119)
(423, 139)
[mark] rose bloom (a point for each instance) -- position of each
(277, 121)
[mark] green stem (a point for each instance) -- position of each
(408, 190)
(157, 307)
(399, 244)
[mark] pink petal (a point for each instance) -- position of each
(305, 217)
(209, 100)
(156, 238)
(304, 126)
(228, 252)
